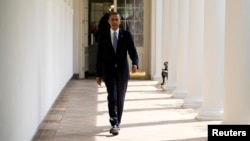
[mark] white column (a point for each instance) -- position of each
(165, 29)
(237, 66)
(213, 66)
(165, 37)
(173, 29)
(195, 58)
(182, 51)
(156, 37)
(79, 52)
(71, 3)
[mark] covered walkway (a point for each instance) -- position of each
(150, 114)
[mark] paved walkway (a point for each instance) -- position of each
(150, 114)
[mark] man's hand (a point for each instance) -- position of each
(134, 68)
(99, 81)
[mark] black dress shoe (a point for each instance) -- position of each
(114, 130)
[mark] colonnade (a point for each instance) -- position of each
(207, 49)
(208, 53)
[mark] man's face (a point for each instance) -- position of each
(114, 21)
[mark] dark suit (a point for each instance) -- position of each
(114, 70)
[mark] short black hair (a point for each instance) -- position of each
(114, 13)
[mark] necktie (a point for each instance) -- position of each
(115, 41)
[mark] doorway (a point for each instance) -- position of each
(133, 20)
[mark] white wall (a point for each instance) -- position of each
(35, 62)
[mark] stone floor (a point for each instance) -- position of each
(150, 114)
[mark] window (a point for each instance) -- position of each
(132, 18)
(131, 13)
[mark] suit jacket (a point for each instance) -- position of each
(108, 62)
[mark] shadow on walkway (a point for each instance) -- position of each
(150, 114)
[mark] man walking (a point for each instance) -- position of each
(112, 67)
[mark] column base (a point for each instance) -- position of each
(157, 78)
(192, 102)
(179, 93)
(236, 122)
(210, 114)
(170, 88)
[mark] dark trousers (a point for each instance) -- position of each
(116, 89)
